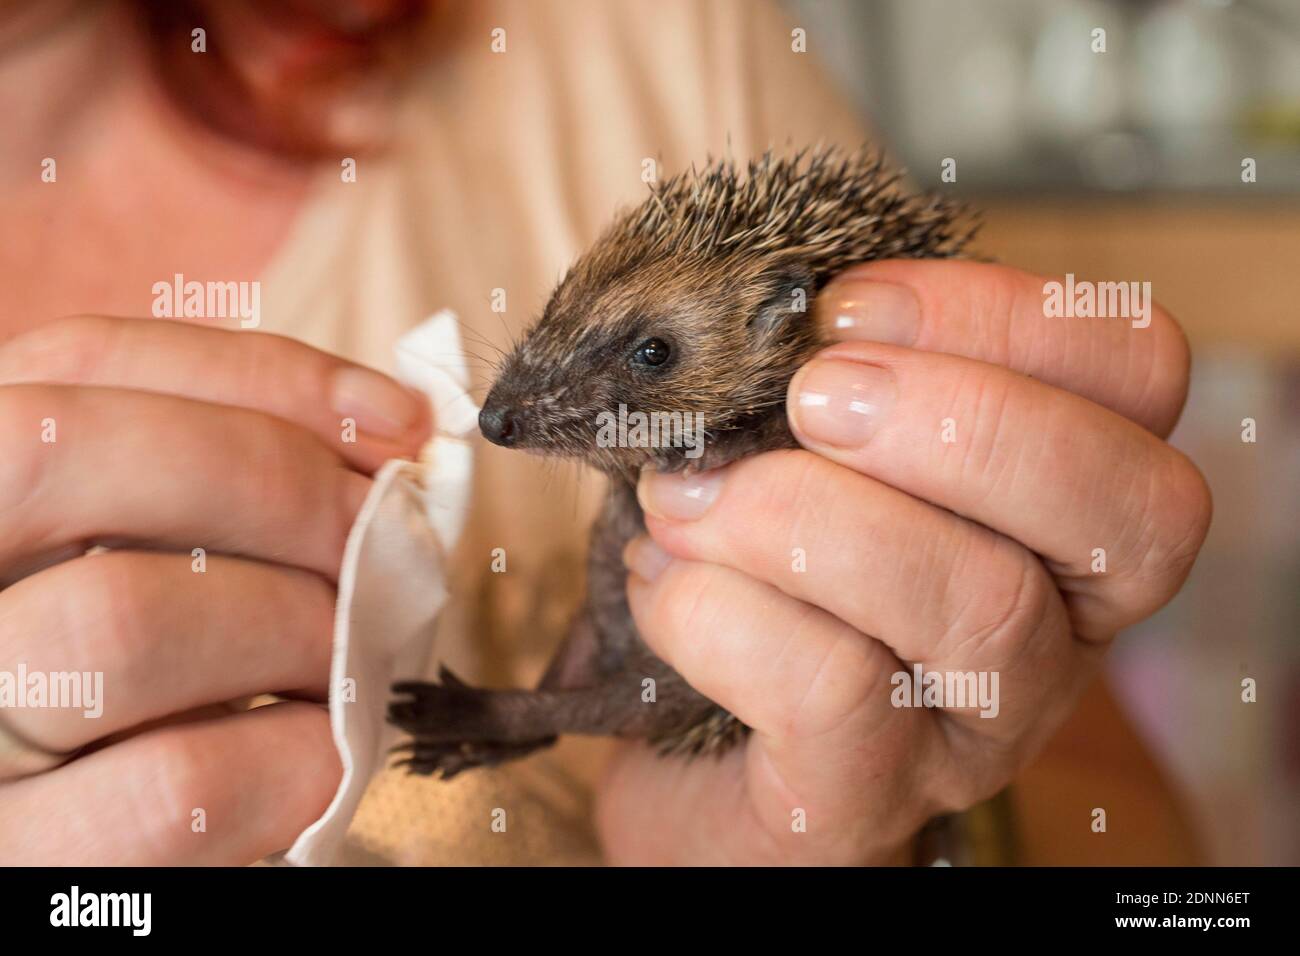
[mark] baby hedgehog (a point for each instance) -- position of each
(697, 301)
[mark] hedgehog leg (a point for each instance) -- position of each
(455, 727)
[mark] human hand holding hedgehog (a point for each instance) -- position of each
(917, 472)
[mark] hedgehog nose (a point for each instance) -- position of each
(499, 425)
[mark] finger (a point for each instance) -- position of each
(997, 314)
(938, 589)
(106, 465)
(1118, 514)
(815, 692)
(154, 637)
(223, 792)
(256, 370)
(783, 667)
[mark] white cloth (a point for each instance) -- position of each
(392, 582)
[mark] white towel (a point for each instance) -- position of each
(392, 583)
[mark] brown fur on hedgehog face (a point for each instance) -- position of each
(718, 270)
(735, 329)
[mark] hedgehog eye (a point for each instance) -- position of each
(652, 352)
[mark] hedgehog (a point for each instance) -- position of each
(694, 306)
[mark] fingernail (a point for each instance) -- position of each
(644, 558)
(862, 310)
(678, 496)
(841, 403)
(378, 404)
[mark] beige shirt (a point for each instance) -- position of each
(506, 166)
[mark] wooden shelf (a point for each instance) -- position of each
(1230, 272)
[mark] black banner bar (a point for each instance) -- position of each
(338, 906)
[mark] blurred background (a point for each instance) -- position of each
(1127, 164)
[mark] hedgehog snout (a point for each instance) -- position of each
(501, 419)
(500, 424)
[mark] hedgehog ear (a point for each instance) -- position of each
(790, 293)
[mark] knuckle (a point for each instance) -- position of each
(103, 589)
(308, 599)
(1179, 509)
(266, 357)
(178, 780)
(959, 785)
(291, 466)
(994, 295)
(1006, 601)
(701, 622)
(945, 552)
(283, 455)
(840, 686)
(287, 752)
(983, 406)
(685, 604)
(783, 487)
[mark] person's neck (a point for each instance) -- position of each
(131, 168)
(57, 61)
(77, 82)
